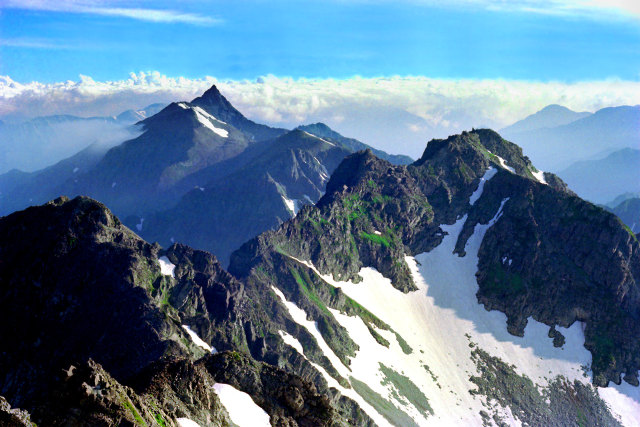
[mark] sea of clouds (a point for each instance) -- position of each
(398, 114)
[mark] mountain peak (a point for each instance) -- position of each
(549, 117)
(212, 98)
(212, 93)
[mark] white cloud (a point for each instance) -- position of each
(396, 113)
(111, 8)
(594, 9)
(34, 43)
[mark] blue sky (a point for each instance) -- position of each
(547, 40)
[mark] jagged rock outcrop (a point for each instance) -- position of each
(88, 313)
(374, 213)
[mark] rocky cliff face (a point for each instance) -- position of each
(95, 328)
(547, 254)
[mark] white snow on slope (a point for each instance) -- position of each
(292, 205)
(186, 422)
(243, 411)
(197, 340)
(317, 137)
(292, 341)
(207, 115)
(503, 163)
(434, 320)
(486, 177)
(205, 119)
(183, 105)
(539, 176)
(623, 400)
(166, 267)
(300, 317)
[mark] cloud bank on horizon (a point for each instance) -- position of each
(381, 110)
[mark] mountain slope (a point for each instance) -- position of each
(19, 189)
(599, 134)
(413, 252)
(323, 131)
(99, 327)
(602, 180)
(265, 191)
(141, 173)
(629, 212)
(549, 117)
(42, 141)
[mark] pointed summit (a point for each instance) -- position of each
(214, 103)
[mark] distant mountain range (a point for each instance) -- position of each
(550, 116)
(556, 137)
(628, 211)
(198, 169)
(600, 180)
(42, 141)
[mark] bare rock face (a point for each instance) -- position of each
(551, 255)
(13, 417)
(94, 332)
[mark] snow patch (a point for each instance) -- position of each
(139, 225)
(292, 205)
(292, 341)
(504, 165)
(317, 137)
(186, 422)
(300, 317)
(197, 340)
(183, 105)
(166, 267)
(205, 119)
(539, 176)
(76, 169)
(486, 177)
(243, 411)
(207, 115)
(113, 184)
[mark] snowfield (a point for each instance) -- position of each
(441, 321)
(242, 409)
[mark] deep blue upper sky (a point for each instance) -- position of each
(339, 39)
